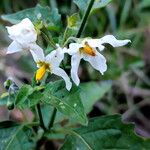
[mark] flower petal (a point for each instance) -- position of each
(94, 43)
(74, 48)
(75, 61)
(40, 73)
(16, 29)
(50, 56)
(60, 53)
(55, 57)
(110, 39)
(37, 53)
(23, 32)
(27, 22)
(14, 47)
(98, 62)
(60, 72)
(12, 31)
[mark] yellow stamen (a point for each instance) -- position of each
(88, 50)
(41, 72)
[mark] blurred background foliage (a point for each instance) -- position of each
(128, 67)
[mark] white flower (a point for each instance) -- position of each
(50, 63)
(23, 35)
(87, 49)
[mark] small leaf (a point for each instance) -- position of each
(106, 132)
(14, 137)
(4, 99)
(73, 20)
(29, 96)
(67, 102)
(82, 4)
(73, 23)
(23, 93)
(34, 98)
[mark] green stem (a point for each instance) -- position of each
(69, 39)
(84, 19)
(52, 118)
(65, 35)
(40, 117)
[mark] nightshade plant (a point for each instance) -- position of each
(67, 96)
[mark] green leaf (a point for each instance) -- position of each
(67, 102)
(50, 18)
(14, 137)
(100, 3)
(47, 111)
(107, 132)
(28, 96)
(34, 98)
(91, 92)
(82, 4)
(23, 93)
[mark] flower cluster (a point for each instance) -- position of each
(24, 37)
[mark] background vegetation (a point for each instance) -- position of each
(124, 88)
